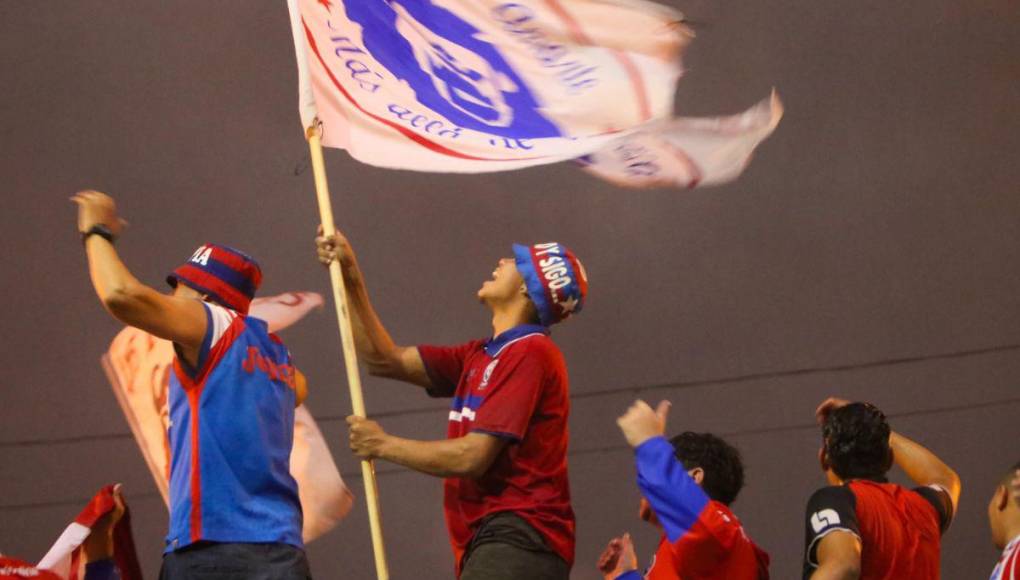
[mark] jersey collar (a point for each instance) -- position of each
(1012, 544)
(495, 344)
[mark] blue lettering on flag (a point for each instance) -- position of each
(452, 71)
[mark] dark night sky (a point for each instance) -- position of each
(870, 251)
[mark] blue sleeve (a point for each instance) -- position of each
(632, 575)
(675, 497)
(102, 570)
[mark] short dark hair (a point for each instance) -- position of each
(721, 462)
(856, 439)
(1007, 478)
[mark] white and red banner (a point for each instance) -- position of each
(65, 557)
(491, 85)
(138, 366)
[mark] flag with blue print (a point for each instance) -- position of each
(487, 85)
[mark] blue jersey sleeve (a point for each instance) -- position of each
(102, 570)
(632, 575)
(676, 498)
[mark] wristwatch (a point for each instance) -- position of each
(99, 230)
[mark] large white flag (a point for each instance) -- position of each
(139, 365)
(492, 85)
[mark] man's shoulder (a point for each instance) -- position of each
(831, 493)
(869, 490)
(725, 525)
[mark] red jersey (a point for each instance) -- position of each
(672, 562)
(513, 386)
(900, 529)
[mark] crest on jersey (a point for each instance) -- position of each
(488, 374)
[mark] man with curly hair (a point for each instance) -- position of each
(862, 526)
(688, 484)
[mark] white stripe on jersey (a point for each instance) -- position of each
(221, 319)
(1008, 567)
(464, 413)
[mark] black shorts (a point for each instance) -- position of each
(505, 547)
(235, 561)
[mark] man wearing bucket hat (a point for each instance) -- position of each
(507, 498)
(234, 506)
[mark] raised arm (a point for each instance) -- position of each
(924, 467)
(376, 349)
(674, 495)
(181, 320)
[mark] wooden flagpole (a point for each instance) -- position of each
(347, 341)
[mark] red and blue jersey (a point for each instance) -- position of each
(900, 529)
(1008, 567)
(231, 434)
(702, 538)
(513, 386)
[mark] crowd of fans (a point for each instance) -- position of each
(234, 508)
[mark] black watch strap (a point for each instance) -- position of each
(98, 230)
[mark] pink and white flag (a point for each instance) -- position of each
(65, 558)
(473, 86)
(686, 152)
(139, 365)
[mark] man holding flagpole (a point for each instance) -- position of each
(507, 497)
(234, 507)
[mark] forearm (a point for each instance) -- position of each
(374, 345)
(113, 282)
(836, 571)
(922, 466)
(445, 458)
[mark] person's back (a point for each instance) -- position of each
(224, 488)
(717, 548)
(861, 526)
(900, 533)
(234, 506)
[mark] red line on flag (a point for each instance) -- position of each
(628, 66)
(696, 174)
(431, 145)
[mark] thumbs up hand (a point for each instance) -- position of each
(640, 423)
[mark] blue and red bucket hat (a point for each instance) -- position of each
(555, 279)
(227, 276)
